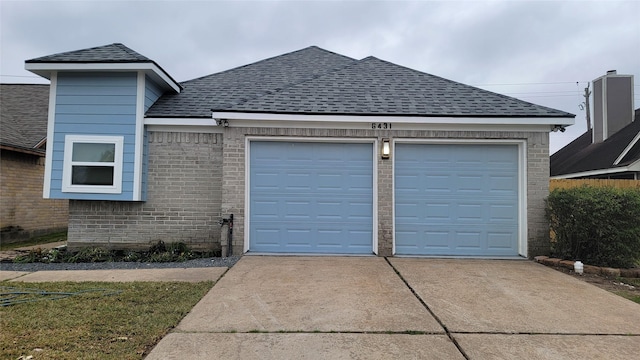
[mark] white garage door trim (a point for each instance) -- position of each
(522, 180)
(247, 177)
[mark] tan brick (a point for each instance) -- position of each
(22, 204)
(184, 182)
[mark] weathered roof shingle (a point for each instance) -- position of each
(23, 115)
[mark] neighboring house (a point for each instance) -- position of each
(23, 128)
(611, 149)
(310, 151)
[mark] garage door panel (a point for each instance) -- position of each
(503, 213)
(468, 239)
(500, 240)
(319, 201)
(466, 205)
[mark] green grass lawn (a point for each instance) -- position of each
(94, 325)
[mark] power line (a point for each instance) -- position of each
(544, 92)
(536, 96)
(534, 83)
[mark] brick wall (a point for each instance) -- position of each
(188, 172)
(537, 152)
(538, 241)
(184, 194)
(22, 205)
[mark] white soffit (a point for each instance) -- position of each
(396, 119)
(151, 69)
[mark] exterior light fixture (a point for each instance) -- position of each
(225, 123)
(386, 148)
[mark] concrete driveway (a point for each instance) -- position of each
(371, 308)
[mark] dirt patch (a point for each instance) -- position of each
(626, 287)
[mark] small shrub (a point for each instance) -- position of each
(131, 256)
(91, 254)
(158, 248)
(33, 256)
(600, 226)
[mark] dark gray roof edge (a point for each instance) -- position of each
(120, 46)
(89, 61)
(567, 114)
(383, 114)
(25, 149)
(43, 60)
(271, 58)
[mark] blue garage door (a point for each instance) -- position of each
(459, 200)
(311, 197)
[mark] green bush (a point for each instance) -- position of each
(599, 226)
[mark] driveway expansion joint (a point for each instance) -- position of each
(424, 304)
(538, 333)
(408, 332)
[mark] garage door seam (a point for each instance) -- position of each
(424, 304)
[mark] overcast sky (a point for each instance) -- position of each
(541, 52)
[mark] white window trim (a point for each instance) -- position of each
(116, 188)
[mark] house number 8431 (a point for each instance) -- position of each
(381, 126)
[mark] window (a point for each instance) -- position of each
(92, 164)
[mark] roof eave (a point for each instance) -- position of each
(634, 167)
(152, 69)
(394, 118)
(20, 149)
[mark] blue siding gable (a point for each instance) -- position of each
(94, 104)
(152, 92)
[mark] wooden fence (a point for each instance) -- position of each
(571, 183)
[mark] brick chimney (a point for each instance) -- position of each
(612, 104)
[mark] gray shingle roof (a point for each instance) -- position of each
(115, 53)
(316, 81)
(375, 87)
(228, 88)
(23, 114)
(112, 53)
(582, 155)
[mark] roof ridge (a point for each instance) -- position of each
(267, 59)
(119, 46)
(290, 85)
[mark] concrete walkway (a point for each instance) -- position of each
(370, 308)
(174, 274)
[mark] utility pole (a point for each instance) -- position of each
(587, 93)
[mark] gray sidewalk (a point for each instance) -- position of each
(173, 274)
